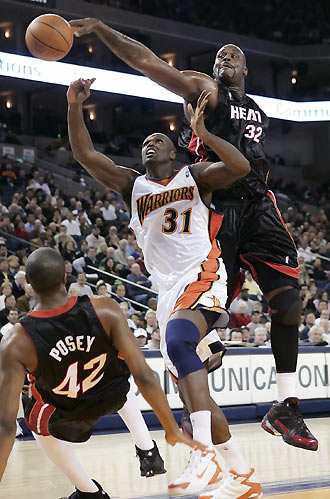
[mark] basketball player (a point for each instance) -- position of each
(70, 347)
(253, 234)
(176, 231)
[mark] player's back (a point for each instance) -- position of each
(78, 368)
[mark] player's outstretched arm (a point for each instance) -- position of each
(212, 176)
(12, 376)
(103, 169)
(188, 85)
(115, 324)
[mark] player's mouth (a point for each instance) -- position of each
(226, 65)
(150, 152)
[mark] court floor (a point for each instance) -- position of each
(286, 472)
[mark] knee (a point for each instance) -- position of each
(182, 337)
(287, 308)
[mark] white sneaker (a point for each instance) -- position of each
(236, 486)
(202, 469)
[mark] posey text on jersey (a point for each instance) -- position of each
(70, 344)
(150, 202)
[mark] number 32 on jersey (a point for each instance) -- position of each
(253, 132)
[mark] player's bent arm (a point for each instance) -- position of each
(141, 58)
(213, 176)
(115, 324)
(12, 376)
(102, 168)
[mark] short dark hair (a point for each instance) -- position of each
(45, 270)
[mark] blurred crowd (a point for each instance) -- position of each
(90, 230)
(292, 22)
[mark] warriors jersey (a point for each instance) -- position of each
(173, 227)
(241, 122)
(79, 373)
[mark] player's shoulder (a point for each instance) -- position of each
(206, 81)
(16, 346)
(107, 310)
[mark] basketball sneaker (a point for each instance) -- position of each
(202, 470)
(151, 462)
(285, 419)
(100, 494)
(236, 486)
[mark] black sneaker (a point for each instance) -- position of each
(285, 419)
(186, 425)
(100, 494)
(151, 462)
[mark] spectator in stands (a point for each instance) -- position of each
(101, 289)
(101, 253)
(81, 264)
(4, 276)
(19, 284)
(252, 287)
(131, 245)
(26, 302)
(325, 314)
(10, 303)
(13, 265)
(112, 238)
(255, 322)
(241, 317)
(83, 249)
(222, 332)
(322, 306)
(95, 239)
(235, 335)
(246, 335)
(319, 273)
(323, 295)
(109, 266)
(310, 322)
(316, 337)
(108, 211)
(121, 296)
(81, 286)
(151, 320)
(141, 337)
(29, 225)
(19, 229)
(62, 238)
(74, 290)
(243, 296)
(154, 342)
(260, 337)
(12, 319)
(73, 227)
(152, 303)
(304, 277)
(257, 307)
(21, 252)
(121, 253)
(305, 250)
(85, 225)
(68, 253)
(3, 250)
(69, 276)
(6, 289)
(137, 277)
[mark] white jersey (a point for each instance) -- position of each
(173, 227)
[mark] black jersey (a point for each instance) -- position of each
(79, 371)
(241, 122)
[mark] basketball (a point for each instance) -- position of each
(49, 37)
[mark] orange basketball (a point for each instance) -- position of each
(49, 37)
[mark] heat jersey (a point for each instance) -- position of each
(241, 122)
(79, 372)
(173, 227)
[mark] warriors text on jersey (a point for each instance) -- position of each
(242, 123)
(173, 226)
(79, 373)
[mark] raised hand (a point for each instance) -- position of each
(79, 90)
(83, 26)
(197, 116)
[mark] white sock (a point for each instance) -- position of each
(131, 415)
(286, 385)
(233, 457)
(201, 423)
(62, 454)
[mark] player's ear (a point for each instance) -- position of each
(172, 155)
(245, 71)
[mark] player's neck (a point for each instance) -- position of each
(51, 301)
(160, 172)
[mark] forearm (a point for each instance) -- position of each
(230, 155)
(154, 395)
(134, 53)
(79, 137)
(7, 439)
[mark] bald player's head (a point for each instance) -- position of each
(45, 270)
